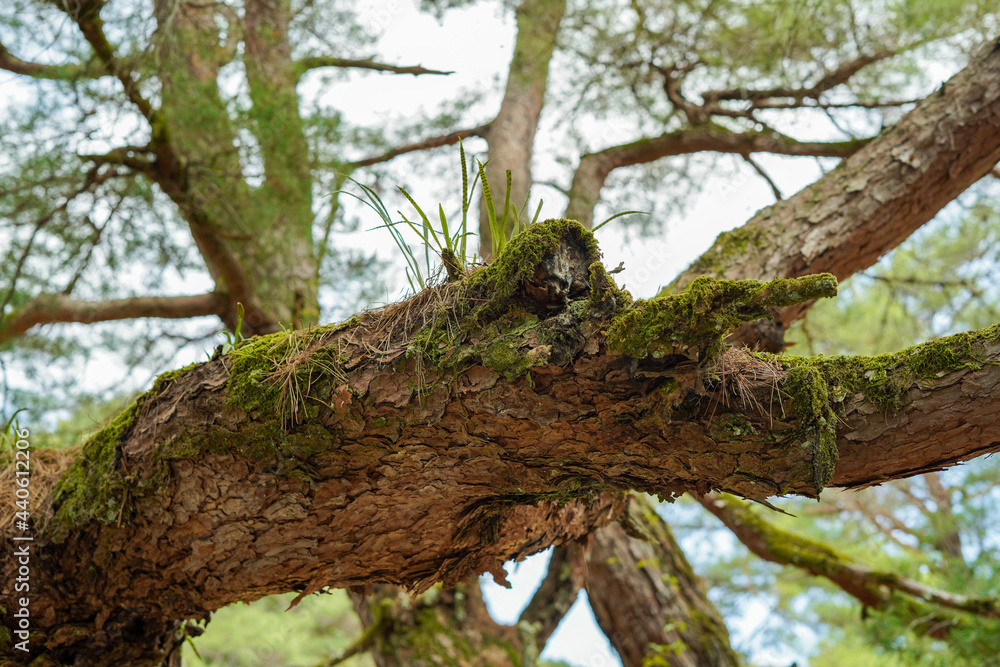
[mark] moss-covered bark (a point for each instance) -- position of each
(921, 607)
(481, 421)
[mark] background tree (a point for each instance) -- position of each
(172, 143)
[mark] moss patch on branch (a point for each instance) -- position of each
(498, 283)
(885, 379)
(271, 377)
(493, 301)
(694, 322)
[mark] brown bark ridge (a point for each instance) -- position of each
(648, 600)
(481, 421)
(877, 197)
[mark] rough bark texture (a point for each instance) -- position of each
(482, 421)
(648, 600)
(877, 197)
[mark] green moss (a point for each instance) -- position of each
(731, 427)
(816, 386)
(810, 399)
(253, 385)
(605, 296)
(504, 357)
(497, 284)
(728, 249)
(788, 548)
(490, 299)
(694, 322)
(885, 379)
(94, 486)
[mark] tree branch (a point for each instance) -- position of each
(840, 75)
(871, 587)
(648, 600)
(87, 16)
(565, 578)
(57, 308)
(844, 222)
(594, 168)
(68, 72)
(480, 421)
(434, 142)
(313, 62)
(126, 156)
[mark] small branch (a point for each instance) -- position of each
(832, 79)
(52, 309)
(313, 62)
(126, 156)
(594, 168)
(426, 144)
(364, 642)
(566, 577)
(763, 174)
(87, 16)
(870, 587)
(805, 104)
(69, 72)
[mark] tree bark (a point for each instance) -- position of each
(479, 422)
(648, 600)
(444, 626)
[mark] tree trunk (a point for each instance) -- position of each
(648, 600)
(265, 233)
(511, 135)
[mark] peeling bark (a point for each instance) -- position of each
(480, 422)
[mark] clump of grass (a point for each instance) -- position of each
(450, 241)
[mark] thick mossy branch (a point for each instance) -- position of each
(694, 322)
(96, 485)
(885, 379)
(529, 264)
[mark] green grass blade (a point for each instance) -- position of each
(491, 213)
(506, 212)
(465, 180)
(423, 217)
(618, 215)
(444, 229)
(537, 211)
